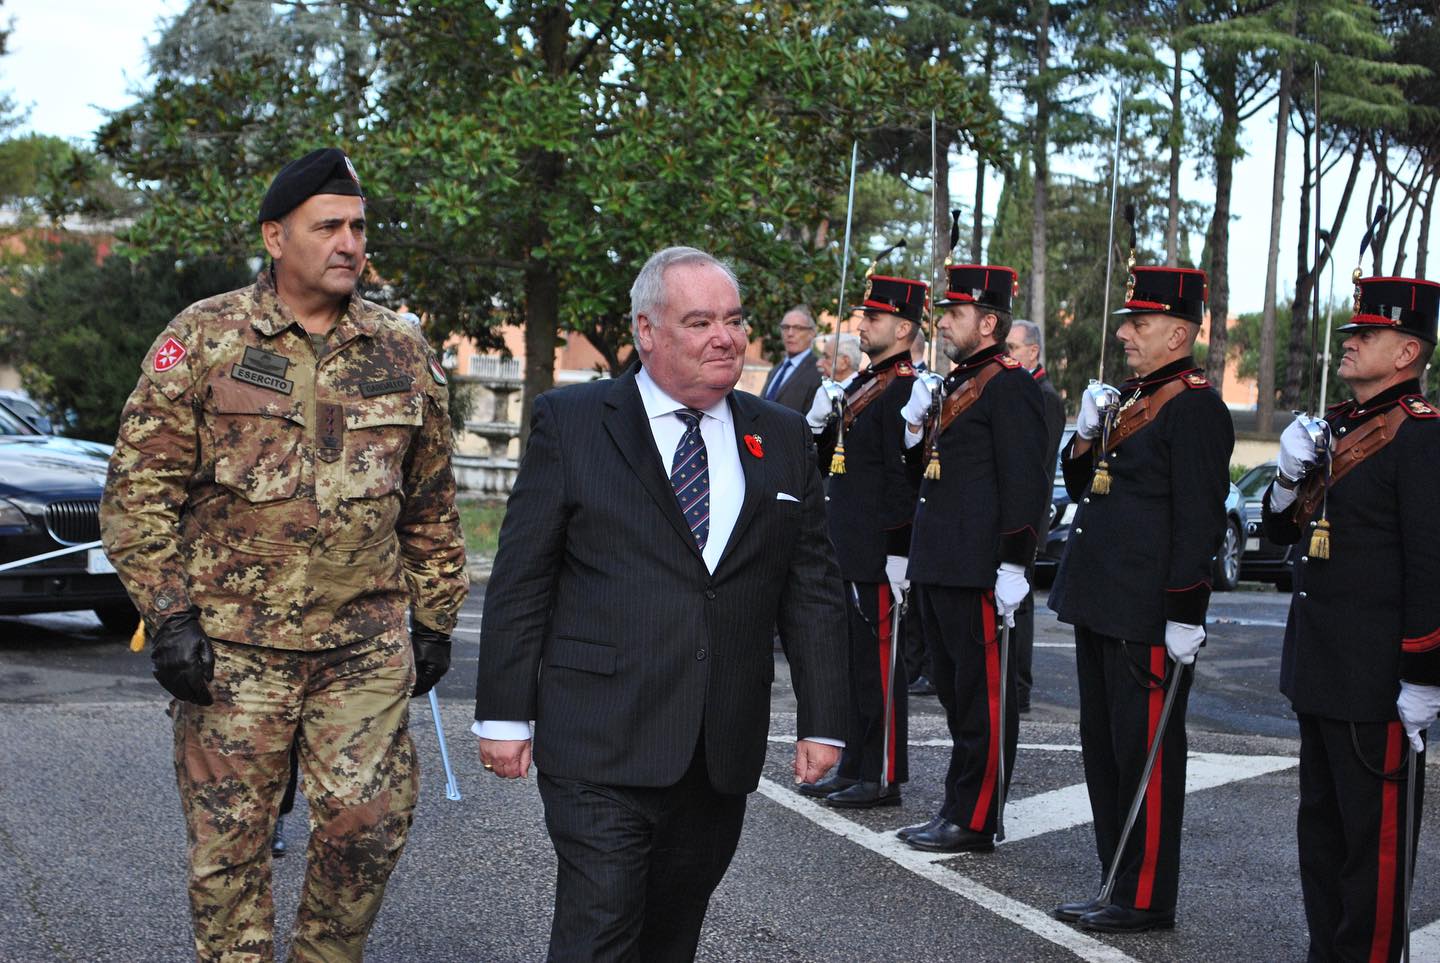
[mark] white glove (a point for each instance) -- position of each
(820, 408)
(1297, 452)
(918, 406)
(1418, 705)
(895, 566)
(1183, 640)
(1087, 423)
(1281, 497)
(1011, 587)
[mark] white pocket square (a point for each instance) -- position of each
(785, 497)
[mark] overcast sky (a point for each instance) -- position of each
(73, 58)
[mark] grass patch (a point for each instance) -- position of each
(481, 522)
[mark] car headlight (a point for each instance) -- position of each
(11, 515)
(1069, 515)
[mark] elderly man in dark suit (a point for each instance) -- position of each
(661, 527)
(793, 381)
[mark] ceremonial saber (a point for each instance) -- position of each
(1315, 284)
(887, 745)
(1170, 692)
(1004, 728)
(452, 788)
(1110, 243)
(840, 313)
(1409, 882)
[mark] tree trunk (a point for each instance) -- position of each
(1038, 252)
(1422, 245)
(1265, 378)
(542, 282)
(1226, 149)
(941, 226)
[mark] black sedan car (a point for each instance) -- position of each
(1226, 574)
(1263, 561)
(49, 500)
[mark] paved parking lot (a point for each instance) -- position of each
(92, 844)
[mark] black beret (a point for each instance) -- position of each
(324, 171)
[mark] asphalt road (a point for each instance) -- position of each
(92, 843)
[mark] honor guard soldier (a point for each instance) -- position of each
(280, 495)
(1150, 473)
(870, 504)
(1361, 662)
(974, 537)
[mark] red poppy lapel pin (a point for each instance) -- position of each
(752, 442)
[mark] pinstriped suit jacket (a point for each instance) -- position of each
(603, 624)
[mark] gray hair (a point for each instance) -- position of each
(803, 310)
(647, 294)
(850, 349)
(1032, 331)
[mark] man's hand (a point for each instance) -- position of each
(1417, 706)
(1297, 456)
(918, 406)
(507, 758)
(895, 568)
(820, 408)
(432, 656)
(1087, 422)
(183, 657)
(1011, 587)
(813, 760)
(1183, 640)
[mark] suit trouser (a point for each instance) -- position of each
(870, 626)
(916, 652)
(1351, 830)
(348, 708)
(637, 865)
(963, 634)
(1122, 692)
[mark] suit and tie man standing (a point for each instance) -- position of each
(974, 536)
(1023, 344)
(1361, 662)
(871, 504)
(793, 381)
(661, 527)
(1151, 476)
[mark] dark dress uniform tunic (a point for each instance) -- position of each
(870, 508)
(978, 514)
(1024, 634)
(1135, 558)
(1360, 622)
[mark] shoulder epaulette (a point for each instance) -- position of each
(1194, 379)
(905, 370)
(1006, 361)
(1417, 407)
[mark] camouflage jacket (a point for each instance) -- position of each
(299, 502)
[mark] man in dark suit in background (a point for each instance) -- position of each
(1023, 344)
(793, 381)
(661, 527)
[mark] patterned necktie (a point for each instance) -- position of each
(690, 477)
(779, 380)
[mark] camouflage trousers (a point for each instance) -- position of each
(347, 709)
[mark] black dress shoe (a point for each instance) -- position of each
(947, 837)
(1071, 912)
(864, 795)
(823, 788)
(277, 839)
(909, 831)
(921, 687)
(1122, 919)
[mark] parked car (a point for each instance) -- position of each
(50, 499)
(1263, 561)
(1226, 569)
(22, 406)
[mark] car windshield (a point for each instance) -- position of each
(1254, 482)
(10, 424)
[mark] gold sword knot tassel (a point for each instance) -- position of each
(1320, 539)
(1100, 484)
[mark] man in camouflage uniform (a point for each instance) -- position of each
(280, 493)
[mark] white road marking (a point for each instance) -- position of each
(924, 866)
(1053, 645)
(1425, 942)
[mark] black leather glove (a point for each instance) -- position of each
(183, 658)
(432, 656)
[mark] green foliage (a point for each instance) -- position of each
(481, 521)
(80, 327)
(47, 179)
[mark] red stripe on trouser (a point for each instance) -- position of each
(883, 615)
(992, 707)
(1389, 846)
(1145, 888)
